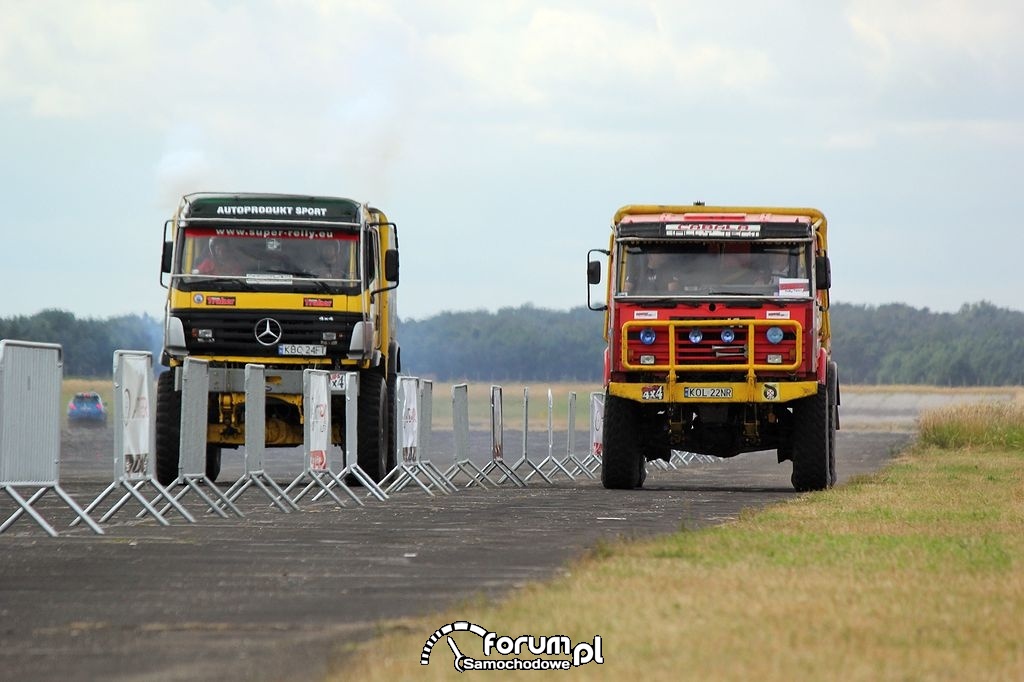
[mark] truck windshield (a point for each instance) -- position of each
(714, 269)
(260, 257)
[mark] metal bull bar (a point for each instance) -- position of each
(30, 383)
(742, 357)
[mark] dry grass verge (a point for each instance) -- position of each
(913, 573)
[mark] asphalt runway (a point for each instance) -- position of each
(276, 596)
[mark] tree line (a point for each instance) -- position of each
(88, 344)
(979, 345)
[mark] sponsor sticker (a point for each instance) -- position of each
(794, 287)
(776, 315)
(220, 300)
(654, 392)
(747, 230)
(645, 314)
(707, 392)
(310, 302)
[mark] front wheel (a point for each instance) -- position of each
(373, 424)
(168, 428)
(623, 466)
(813, 451)
(213, 462)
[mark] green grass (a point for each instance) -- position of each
(975, 425)
(914, 573)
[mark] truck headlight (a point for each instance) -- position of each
(647, 336)
(774, 335)
(696, 335)
(728, 335)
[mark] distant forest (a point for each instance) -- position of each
(88, 344)
(979, 345)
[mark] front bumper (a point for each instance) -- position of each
(714, 392)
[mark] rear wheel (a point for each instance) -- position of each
(623, 466)
(372, 429)
(168, 428)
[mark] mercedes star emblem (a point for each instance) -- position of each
(268, 331)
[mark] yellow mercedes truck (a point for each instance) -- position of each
(718, 338)
(290, 282)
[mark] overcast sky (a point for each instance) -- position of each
(502, 136)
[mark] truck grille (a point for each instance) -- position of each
(234, 333)
(673, 348)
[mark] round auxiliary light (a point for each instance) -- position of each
(647, 336)
(774, 335)
(728, 335)
(696, 335)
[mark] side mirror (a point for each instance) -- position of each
(167, 257)
(823, 272)
(594, 277)
(391, 265)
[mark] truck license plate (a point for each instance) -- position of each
(708, 392)
(301, 349)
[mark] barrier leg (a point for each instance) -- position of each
(78, 510)
(133, 491)
(26, 507)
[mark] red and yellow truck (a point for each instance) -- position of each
(717, 324)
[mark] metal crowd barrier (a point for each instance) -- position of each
(498, 441)
(570, 446)
(195, 394)
(134, 439)
(524, 458)
(414, 398)
(317, 471)
(30, 382)
(461, 463)
(255, 477)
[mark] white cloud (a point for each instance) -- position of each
(921, 40)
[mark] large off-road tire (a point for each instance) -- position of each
(813, 441)
(373, 426)
(392, 442)
(623, 466)
(213, 453)
(832, 384)
(168, 428)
